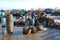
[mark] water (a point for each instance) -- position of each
(14, 18)
(57, 19)
(50, 34)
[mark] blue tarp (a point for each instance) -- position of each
(48, 10)
(22, 11)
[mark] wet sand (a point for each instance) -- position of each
(50, 34)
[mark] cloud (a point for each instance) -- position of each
(28, 4)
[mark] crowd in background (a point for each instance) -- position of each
(33, 18)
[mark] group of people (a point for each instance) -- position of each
(35, 18)
(28, 17)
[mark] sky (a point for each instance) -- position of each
(28, 4)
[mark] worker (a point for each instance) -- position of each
(9, 23)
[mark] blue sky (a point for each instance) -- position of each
(28, 4)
